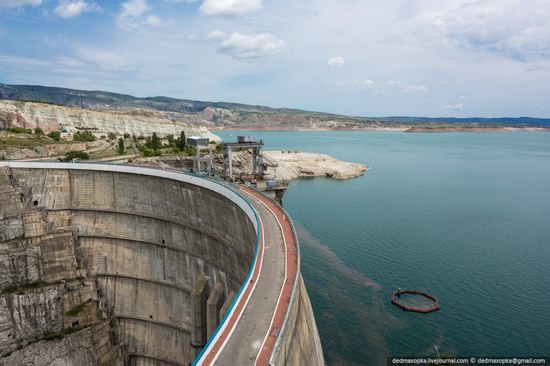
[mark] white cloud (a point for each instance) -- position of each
(16, 3)
(402, 87)
(70, 9)
(336, 61)
(229, 7)
(247, 46)
(510, 28)
(367, 82)
(463, 97)
(454, 107)
(134, 8)
(134, 15)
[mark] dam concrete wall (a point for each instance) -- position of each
(299, 342)
(102, 261)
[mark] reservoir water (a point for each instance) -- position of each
(464, 216)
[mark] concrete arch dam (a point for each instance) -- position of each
(118, 265)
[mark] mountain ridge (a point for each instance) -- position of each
(235, 115)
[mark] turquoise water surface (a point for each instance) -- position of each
(464, 216)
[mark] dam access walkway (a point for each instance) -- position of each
(249, 334)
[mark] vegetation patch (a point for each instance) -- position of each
(55, 135)
(19, 130)
(57, 335)
(75, 310)
(84, 136)
(20, 288)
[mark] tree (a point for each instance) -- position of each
(120, 148)
(126, 136)
(111, 136)
(55, 135)
(155, 142)
(38, 131)
(181, 142)
(171, 140)
(84, 136)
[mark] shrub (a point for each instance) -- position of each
(190, 150)
(55, 135)
(19, 130)
(50, 335)
(38, 131)
(84, 136)
(78, 308)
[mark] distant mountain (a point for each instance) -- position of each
(102, 99)
(516, 121)
(234, 115)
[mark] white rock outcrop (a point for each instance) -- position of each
(289, 165)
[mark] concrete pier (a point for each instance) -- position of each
(198, 313)
(213, 307)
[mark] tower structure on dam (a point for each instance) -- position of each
(115, 265)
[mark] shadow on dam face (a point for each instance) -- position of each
(140, 246)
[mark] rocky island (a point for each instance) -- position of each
(286, 165)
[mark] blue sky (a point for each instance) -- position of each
(431, 58)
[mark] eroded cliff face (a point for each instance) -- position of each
(50, 312)
(51, 117)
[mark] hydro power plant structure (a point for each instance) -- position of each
(119, 265)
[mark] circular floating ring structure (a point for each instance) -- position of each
(417, 309)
